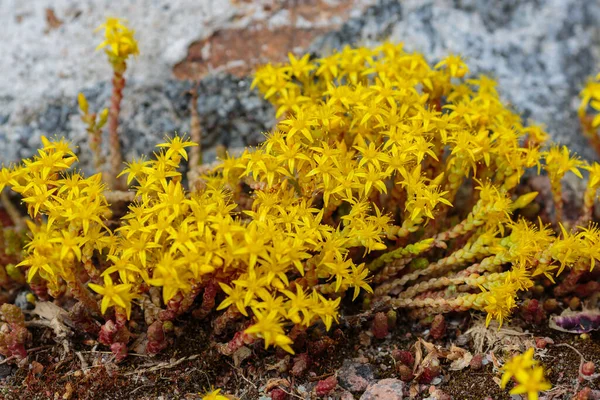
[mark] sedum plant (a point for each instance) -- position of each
(380, 135)
(385, 175)
(119, 45)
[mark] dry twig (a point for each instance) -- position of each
(163, 365)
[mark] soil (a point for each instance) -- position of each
(192, 364)
(81, 368)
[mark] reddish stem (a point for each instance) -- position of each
(208, 300)
(240, 339)
(83, 295)
(116, 158)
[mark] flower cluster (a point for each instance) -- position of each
(74, 210)
(527, 373)
(119, 42)
(382, 131)
(384, 175)
(180, 242)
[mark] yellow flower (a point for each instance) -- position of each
(589, 94)
(268, 326)
(37, 262)
(340, 270)
(235, 295)
(300, 68)
(137, 169)
(455, 65)
(499, 301)
(254, 284)
(214, 395)
(177, 145)
(527, 373)
(559, 161)
(119, 42)
(325, 309)
(123, 266)
(515, 364)
(358, 280)
(299, 123)
(531, 382)
(119, 295)
(70, 244)
(299, 307)
(86, 213)
(39, 198)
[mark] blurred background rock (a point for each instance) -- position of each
(540, 51)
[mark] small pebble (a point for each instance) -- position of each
(355, 377)
(574, 303)
(462, 340)
(388, 389)
(476, 362)
(540, 343)
(588, 368)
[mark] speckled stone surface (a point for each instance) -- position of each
(541, 52)
(231, 115)
(389, 389)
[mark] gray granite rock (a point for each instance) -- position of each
(540, 51)
(231, 115)
(22, 302)
(6, 370)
